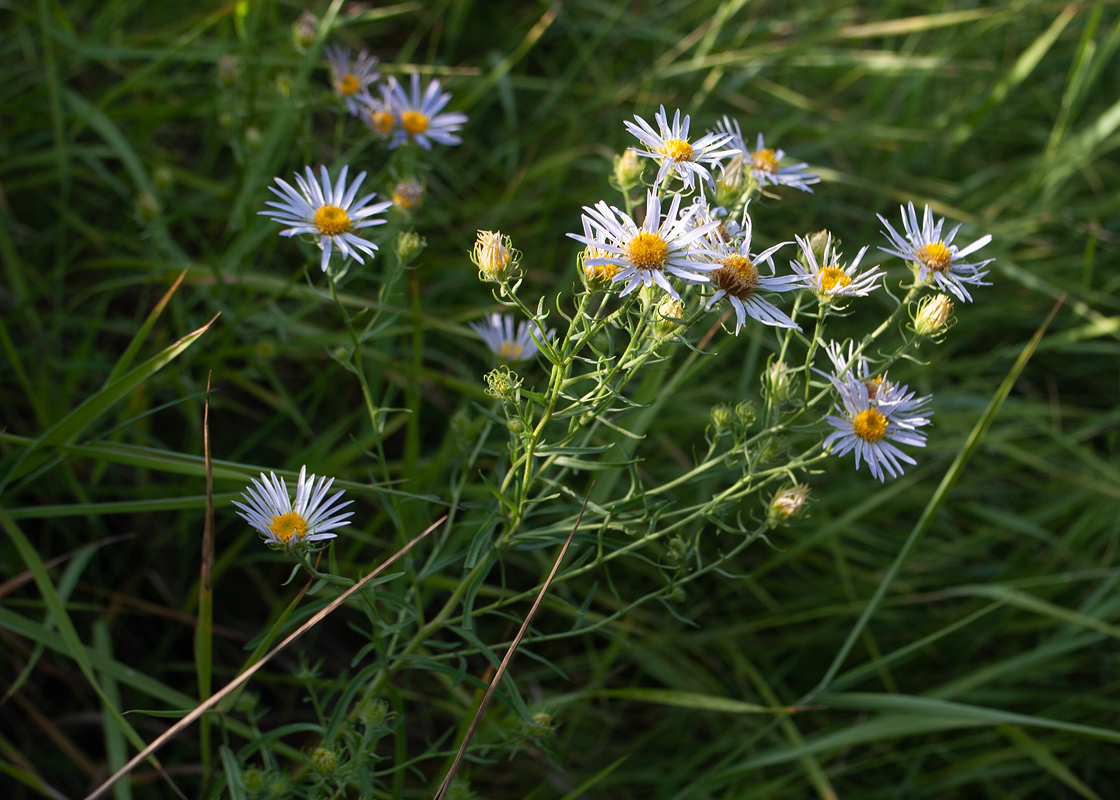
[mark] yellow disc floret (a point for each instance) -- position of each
(382, 122)
(831, 277)
(510, 351)
(287, 527)
(764, 161)
(870, 425)
(736, 275)
(348, 85)
(935, 256)
(331, 221)
(414, 122)
(676, 149)
(647, 251)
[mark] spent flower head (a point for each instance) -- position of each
(765, 162)
(418, 116)
(827, 277)
(670, 147)
(351, 80)
(788, 504)
(649, 254)
(305, 31)
(497, 331)
(330, 213)
(285, 525)
(495, 257)
(934, 258)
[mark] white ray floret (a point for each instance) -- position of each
(497, 331)
(871, 427)
(351, 81)
(670, 147)
(828, 279)
(331, 213)
(649, 254)
(765, 162)
(418, 115)
(283, 524)
(738, 279)
(937, 260)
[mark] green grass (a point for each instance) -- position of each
(988, 669)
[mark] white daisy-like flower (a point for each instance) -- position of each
(283, 524)
(828, 279)
(938, 260)
(704, 212)
(737, 278)
(332, 214)
(764, 162)
(669, 145)
(351, 81)
(497, 331)
(870, 426)
(418, 115)
(847, 365)
(647, 254)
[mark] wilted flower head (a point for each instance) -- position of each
(283, 525)
(304, 31)
(408, 195)
(788, 504)
(936, 260)
(932, 317)
(494, 256)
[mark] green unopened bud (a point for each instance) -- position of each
(788, 504)
(304, 31)
(596, 277)
(284, 84)
(460, 789)
(745, 413)
(932, 318)
(408, 195)
(409, 245)
(628, 168)
(163, 177)
(373, 713)
(253, 137)
(677, 594)
(677, 548)
(494, 256)
(729, 187)
(776, 381)
(147, 207)
(228, 70)
(252, 779)
(515, 426)
(324, 761)
(265, 349)
(721, 417)
(246, 702)
(670, 317)
(504, 384)
(818, 243)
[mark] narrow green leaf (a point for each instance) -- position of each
(700, 702)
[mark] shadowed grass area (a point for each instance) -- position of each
(132, 150)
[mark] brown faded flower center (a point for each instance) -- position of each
(647, 251)
(936, 256)
(873, 387)
(676, 149)
(831, 277)
(414, 122)
(736, 275)
(331, 221)
(764, 160)
(288, 526)
(348, 85)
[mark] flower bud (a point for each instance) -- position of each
(818, 243)
(776, 382)
(504, 384)
(721, 417)
(628, 168)
(408, 195)
(932, 318)
(284, 84)
(745, 413)
(252, 780)
(677, 549)
(668, 321)
(373, 713)
(596, 277)
(729, 187)
(304, 31)
(515, 426)
(323, 761)
(409, 245)
(788, 504)
(228, 69)
(147, 207)
(493, 257)
(253, 137)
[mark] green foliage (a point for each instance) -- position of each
(974, 658)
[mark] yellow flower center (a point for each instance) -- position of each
(870, 425)
(348, 85)
(831, 277)
(407, 195)
(510, 351)
(288, 526)
(676, 149)
(764, 160)
(737, 275)
(599, 275)
(935, 256)
(331, 221)
(414, 122)
(382, 122)
(647, 251)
